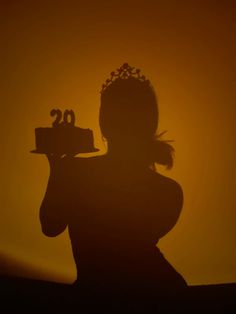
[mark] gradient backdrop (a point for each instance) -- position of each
(57, 54)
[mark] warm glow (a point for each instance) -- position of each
(58, 56)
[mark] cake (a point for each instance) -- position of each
(65, 138)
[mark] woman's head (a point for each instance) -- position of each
(128, 108)
(129, 111)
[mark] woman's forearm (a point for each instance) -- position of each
(53, 208)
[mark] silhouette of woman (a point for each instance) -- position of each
(116, 207)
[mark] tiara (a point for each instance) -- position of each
(124, 72)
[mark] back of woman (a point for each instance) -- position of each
(117, 206)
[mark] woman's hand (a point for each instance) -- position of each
(55, 158)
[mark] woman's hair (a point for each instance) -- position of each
(129, 110)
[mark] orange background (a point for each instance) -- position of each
(57, 54)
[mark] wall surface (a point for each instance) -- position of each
(57, 54)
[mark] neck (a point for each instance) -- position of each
(127, 156)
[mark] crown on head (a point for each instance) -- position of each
(124, 72)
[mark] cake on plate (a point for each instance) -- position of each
(63, 137)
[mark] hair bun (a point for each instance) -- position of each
(163, 152)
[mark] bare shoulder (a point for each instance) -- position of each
(168, 186)
(170, 197)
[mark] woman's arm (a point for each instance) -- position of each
(55, 205)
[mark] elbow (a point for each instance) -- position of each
(52, 231)
(51, 224)
(52, 228)
(48, 233)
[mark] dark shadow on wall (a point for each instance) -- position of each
(116, 206)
